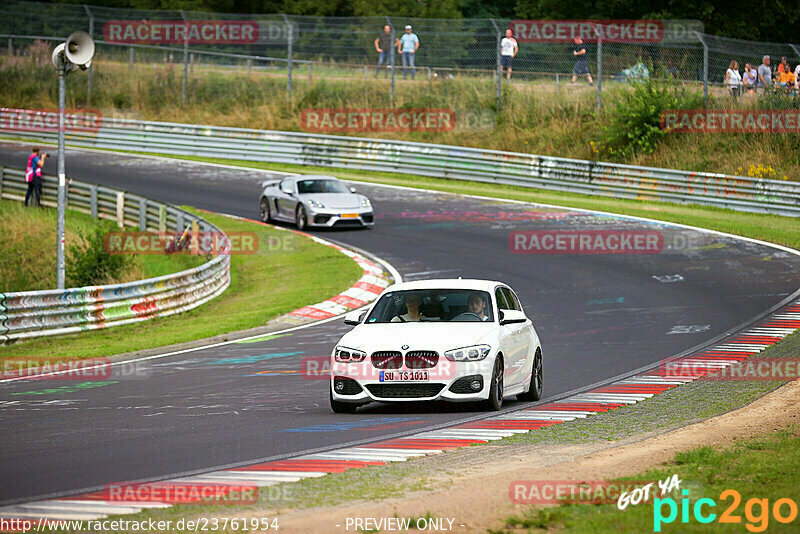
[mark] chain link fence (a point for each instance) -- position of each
(312, 48)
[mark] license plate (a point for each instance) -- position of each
(404, 376)
(349, 215)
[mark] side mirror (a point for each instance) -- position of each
(353, 318)
(353, 190)
(512, 317)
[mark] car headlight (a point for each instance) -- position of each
(365, 203)
(344, 354)
(315, 203)
(468, 354)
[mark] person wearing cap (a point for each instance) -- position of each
(407, 46)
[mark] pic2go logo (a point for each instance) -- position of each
(756, 511)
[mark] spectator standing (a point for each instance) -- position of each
(797, 76)
(786, 79)
(33, 176)
(508, 51)
(764, 73)
(581, 62)
(749, 78)
(733, 80)
(407, 46)
(384, 46)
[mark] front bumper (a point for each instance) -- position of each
(449, 381)
(329, 218)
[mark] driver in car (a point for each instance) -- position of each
(477, 306)
(412, 302)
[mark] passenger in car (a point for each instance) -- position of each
(412, 302)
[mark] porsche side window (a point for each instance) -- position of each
(286, 186)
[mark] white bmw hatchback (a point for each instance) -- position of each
(453, 340)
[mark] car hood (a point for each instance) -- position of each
(418, 336)
(334, 200)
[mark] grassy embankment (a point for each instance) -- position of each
(287, 272)
(28, 259)
(533, 119)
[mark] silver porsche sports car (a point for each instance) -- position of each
(314, 201)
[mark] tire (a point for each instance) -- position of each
(534, 392)
(495, 400)
(342, 407)
(300, 218)
(264, 211)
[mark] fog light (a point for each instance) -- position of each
(476, 385)
(339, 386)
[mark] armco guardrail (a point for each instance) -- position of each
(31, 314)
(441, 161)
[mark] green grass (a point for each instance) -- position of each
(758, 468)
(533, 118)
(772, 228)
(28, 259)
(289, 271)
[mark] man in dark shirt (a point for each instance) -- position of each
(581, 61)
(383, 44)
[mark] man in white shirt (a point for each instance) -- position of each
(508, 51)
(407, 46)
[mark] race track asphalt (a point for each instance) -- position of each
(599, 315)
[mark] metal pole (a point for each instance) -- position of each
(391, 63)
(89, 79)
(288, 58)
(599, 72)
(557, 83)
(62, 185)
(705, 69)
(185, 56)
(130, 57)
(310, 71)
(498, 67)
(10, 47)
(796, 50)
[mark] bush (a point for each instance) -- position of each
(90, 264)
(635, 117)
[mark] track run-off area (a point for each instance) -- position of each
(599, 316)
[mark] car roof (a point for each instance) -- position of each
(447, 283)
(314, 177)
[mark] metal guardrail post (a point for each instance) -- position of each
(185, 56)
(705, 68)
(288, 58)
(93, 201)
(121, 209)
(179, 222)
(2, 172)
(162, 218)
(142, 214)
(89, 74)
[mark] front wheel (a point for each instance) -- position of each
(534, 392)
(300, 218)
(342, 407)
(495, 400)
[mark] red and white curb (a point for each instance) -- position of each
(624, 392)
(364, 291)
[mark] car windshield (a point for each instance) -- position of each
(432, 305)
(321, 186)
